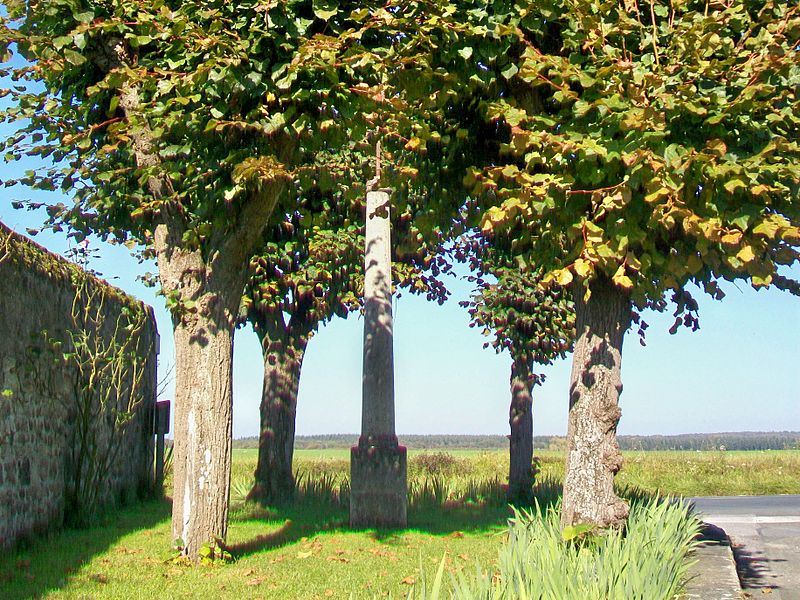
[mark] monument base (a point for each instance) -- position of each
(378, 492)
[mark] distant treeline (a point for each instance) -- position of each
(748, 440)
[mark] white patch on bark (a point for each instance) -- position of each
(187, 488)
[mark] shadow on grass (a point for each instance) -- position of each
(48, 562)
(427, 513)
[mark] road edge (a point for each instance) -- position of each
(713, 576)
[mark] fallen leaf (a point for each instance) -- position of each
(249, 572)
(457, 534)
(255, 581)
(329, 593)
(341, 559)
(409, 580)
(304, 554)
(464, 556)
(99, 578)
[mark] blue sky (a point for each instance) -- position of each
(739, 372)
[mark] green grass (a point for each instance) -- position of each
(307, 551)
(678, 473)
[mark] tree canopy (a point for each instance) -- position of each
(654, 143)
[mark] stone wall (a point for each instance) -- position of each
(59, 330)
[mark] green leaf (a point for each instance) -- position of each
(61, 41)
(325, 10)
(735, 184)
(73, 57)
(84, 17)
(621, 279)
(571, 532)
(509, 71)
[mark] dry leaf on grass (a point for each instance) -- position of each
(409, 580)
(457, 534)
(341, 559)
(255, 581)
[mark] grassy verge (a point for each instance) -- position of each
(306, 551)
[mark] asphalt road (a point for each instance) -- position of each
(765, 535)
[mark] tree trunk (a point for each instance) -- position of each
(208, 286)
(283, 361)
(520, 418)
(593, 456)
(203, 407)
(203, 432)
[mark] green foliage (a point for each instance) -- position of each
(232, 96)
(776, 440)
(535, 325)
(653, 144)
(214, 552)
(648, 561)
(96, 373)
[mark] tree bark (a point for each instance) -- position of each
(203, 431)
(283, 360)
(213, 280)
(520, 419)
(593, 456)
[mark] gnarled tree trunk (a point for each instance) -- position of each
(283, 359)
(593, 456)
(520, 418)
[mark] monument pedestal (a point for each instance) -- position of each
(378, 494)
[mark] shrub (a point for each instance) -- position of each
(646, 561)
(438, 463)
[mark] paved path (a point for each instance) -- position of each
(765, 534)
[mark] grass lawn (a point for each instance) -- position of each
(307, 552)
(286, 554)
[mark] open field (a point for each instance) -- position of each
(680, 473)
(306, 552)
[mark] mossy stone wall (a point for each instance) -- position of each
(37, 414)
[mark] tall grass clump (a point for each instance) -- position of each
(648, 560)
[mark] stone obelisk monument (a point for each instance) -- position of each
(378, 463)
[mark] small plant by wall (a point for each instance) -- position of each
(104, 356)
(77, 391)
